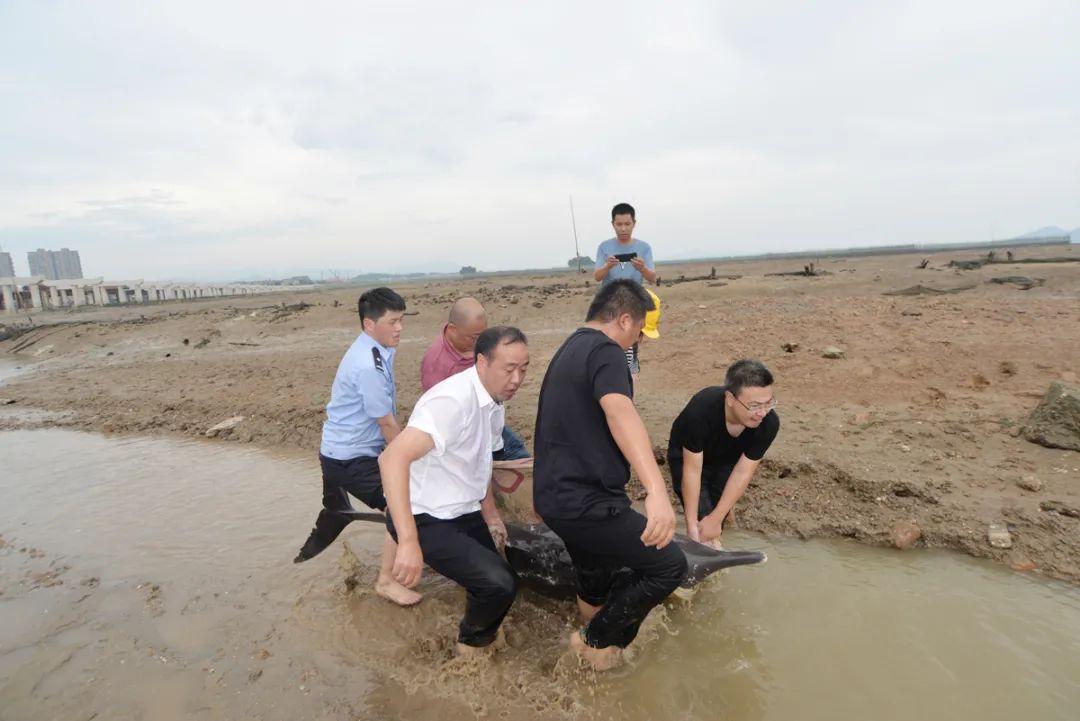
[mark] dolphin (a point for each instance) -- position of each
(540, 559)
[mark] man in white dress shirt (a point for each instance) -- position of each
(436, 476)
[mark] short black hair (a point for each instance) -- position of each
(375, 303)
(623, 209)
(747, 373)
(618, 297)
(492, 338)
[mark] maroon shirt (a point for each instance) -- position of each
(441, 361)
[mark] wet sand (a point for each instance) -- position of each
(918, 422)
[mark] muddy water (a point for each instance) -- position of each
(151, 579)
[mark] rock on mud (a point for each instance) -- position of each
(1061, 508)
(1030, 483)
(832, 352)
(1055, 422)
(999, 535)
(904, 534)
(225, 425)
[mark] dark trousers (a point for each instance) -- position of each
(359, 477)
(601, 549)
(462, 550)
(713, 481)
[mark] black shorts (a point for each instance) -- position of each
(359, 477)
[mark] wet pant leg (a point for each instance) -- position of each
(616, 571)
(462, 550)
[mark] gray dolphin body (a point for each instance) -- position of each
(541, 560)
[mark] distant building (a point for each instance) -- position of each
(7, 268)
(60, 264)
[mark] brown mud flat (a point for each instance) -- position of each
(918, 422)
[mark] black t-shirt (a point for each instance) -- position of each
(701, 427)
(579, 471)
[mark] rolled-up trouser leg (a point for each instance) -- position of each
(599, 549)
(462, 550)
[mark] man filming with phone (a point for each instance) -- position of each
(625, 257)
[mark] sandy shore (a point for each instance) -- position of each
(917, 423)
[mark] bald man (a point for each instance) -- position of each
(452, 352)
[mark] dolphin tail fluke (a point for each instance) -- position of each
(704, 560)
(364, 516)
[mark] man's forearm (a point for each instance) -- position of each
(648, 274)
(630, 435)
(691, 488)
(488, 511)
(734, 489)
(394, 469)
(389, 427)
(601, 272)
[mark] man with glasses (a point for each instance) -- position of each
(717, 443)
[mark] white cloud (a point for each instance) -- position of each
(202, 139)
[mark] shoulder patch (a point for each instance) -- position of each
(377, 357)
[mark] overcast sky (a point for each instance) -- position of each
(221, 140)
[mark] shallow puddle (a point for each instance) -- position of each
(152, 579)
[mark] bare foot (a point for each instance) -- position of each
(587, 610)
(460, 649)
(463, 651)
(394, 592)
(500, 640)
(601, 659)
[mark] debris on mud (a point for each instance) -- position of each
(1059, 508)
(1055, 422)
(1020, 281)
(226, 425)
(904, 534)
(998, 535)
(920, 289)
(808, 271)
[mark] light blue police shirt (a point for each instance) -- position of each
(363, 392)
(612, 246)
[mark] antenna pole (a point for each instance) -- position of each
(573, 224)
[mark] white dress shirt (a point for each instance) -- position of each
(465, 423)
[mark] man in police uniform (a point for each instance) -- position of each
(360, 421)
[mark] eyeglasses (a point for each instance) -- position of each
(756, 408)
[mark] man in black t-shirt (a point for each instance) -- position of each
(588, 436)
(717, 443)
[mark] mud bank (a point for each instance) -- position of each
(915, 427)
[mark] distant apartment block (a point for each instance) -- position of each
(60, 264)
(7, 268)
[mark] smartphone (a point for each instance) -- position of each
(625, 257)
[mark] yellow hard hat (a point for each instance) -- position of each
(652, 318)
